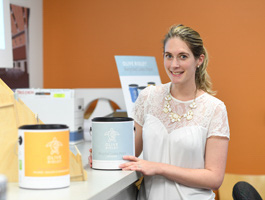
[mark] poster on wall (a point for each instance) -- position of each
(18, 76)
(136, 73)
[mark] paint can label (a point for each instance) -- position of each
(46, 154)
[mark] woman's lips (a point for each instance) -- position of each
(177, 73)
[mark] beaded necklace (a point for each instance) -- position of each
(174, 117)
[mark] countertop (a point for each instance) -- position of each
(100, 184)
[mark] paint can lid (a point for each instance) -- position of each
(43, 126)
(111, 119)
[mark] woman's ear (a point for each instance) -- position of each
(201, 59)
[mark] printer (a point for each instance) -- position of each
(56, 106)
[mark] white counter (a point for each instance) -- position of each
(101, 185)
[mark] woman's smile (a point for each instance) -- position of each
(177, 73)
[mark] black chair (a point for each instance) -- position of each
(245, 191)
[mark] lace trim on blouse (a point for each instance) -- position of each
(210, 112)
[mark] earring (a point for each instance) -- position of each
(198, 66)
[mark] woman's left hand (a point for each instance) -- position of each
(146, 167)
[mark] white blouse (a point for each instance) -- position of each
(177, 143)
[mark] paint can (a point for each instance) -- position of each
(112, 138)
(3, 187)
(43, 153)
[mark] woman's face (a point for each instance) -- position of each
(179, 62)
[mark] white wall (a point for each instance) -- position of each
(35, 57)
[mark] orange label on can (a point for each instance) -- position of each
(46, 153)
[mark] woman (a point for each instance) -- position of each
(181, 128)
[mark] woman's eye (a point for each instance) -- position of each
(168, 56)
(183, 57)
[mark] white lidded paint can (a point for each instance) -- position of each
(43, 153)
(112, 138)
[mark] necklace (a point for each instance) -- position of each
(174, 117)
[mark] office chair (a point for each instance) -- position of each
(244, 191)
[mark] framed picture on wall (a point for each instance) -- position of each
(18, 76)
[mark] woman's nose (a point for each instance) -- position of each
(174, 62)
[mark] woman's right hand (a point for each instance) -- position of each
(90, 158)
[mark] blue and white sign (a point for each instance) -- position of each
(136, 73)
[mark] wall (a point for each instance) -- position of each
(81, 38)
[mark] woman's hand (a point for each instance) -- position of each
(90, 158)
(146, 167)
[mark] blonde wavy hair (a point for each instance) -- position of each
(195, 43)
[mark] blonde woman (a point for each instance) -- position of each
(181, 128)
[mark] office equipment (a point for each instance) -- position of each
(230, 180)
(56, 106)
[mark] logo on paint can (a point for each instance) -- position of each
(112, 142)
(54, 146)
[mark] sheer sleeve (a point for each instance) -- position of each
(139, 108)
(219, 124)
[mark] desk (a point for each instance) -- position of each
(101, 185)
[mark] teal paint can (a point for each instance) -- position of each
(112, 138)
